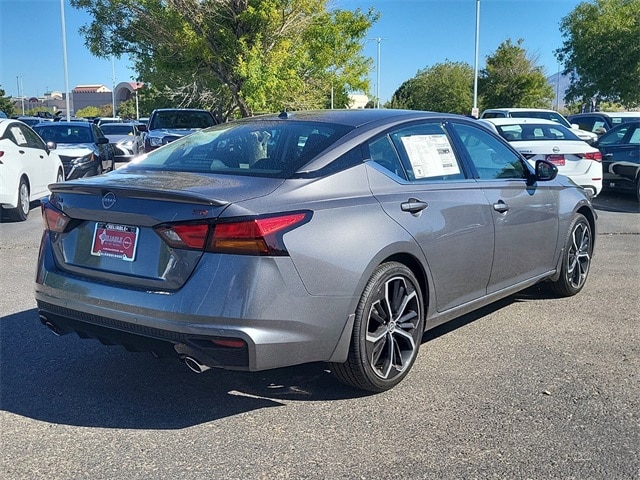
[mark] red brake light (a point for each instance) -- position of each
(54, 220)
(190, 236)
(596, 156)
(260, 236)
(257, 236)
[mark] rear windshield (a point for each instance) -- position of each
(265, 148)
(554, 116)
(532, 131)
(181, 119)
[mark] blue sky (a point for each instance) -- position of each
(416, 34)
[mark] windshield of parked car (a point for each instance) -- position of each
(117, 129)
(257, 148)
(181, 119)
(64, 133)
(553, 116)
(534, 131)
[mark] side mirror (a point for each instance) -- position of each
(102, 141)
(575, 126)
(545, 171)
(52, 145)
(142, 128)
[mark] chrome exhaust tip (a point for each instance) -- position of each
(194, 365)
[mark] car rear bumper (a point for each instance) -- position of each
(279, 323)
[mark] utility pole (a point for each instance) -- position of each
(474, 111)
(64, 59)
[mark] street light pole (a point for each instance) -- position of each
(474, 111)
(379, 40)
(64, 57)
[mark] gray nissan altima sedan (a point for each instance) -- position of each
(337, 236)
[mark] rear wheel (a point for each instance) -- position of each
(21, 212)
(577, 258)
(387, 330)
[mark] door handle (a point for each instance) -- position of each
(413, 205)
(500, 206)
(21, 151)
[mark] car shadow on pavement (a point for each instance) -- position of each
(616, 202)
(68, 380)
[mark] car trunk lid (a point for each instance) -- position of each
(112, 231)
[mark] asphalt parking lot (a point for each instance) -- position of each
(532, 387)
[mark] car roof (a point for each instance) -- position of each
(517, 121)
(351, 117)
(519, 109)
(72, 123)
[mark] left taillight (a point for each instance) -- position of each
(253, 236)
(596, 156)
(54, 220)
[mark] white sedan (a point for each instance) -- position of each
(538, 139)
(27, 167)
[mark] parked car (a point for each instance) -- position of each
(82, 147)
(620, 148)
(542, 113)
(168, 124)
(125, 138)
(335, 236)
(538, 139)
(27, 167)
(600, 122)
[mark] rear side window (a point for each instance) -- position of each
(490, 157)
(420, 152)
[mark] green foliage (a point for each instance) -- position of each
(234, 57)
(601, 51)
(445, 87)
(6, 105)
(127, 109)
(88, 112)
(511, 79)
(36, 110)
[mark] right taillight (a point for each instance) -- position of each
(253, 236)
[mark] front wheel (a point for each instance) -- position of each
(387, 330)
(576, 260)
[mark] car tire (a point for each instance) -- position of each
(638, 189)
(577, 253)
(21, 212)
(99, 170)
(387, 330)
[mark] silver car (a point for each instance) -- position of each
(337, 236)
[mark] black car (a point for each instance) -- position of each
(600, 122)
(82, 147)
(168, 124)
(620, 149)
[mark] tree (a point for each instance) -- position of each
(6, 105)
(512, 79)
(445, 87)
(231, 56)
(88, 112)
(601, 51)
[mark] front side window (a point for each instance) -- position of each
(490, 157)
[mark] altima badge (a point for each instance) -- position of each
(109, 200)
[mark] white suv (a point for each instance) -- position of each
(545, 114)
